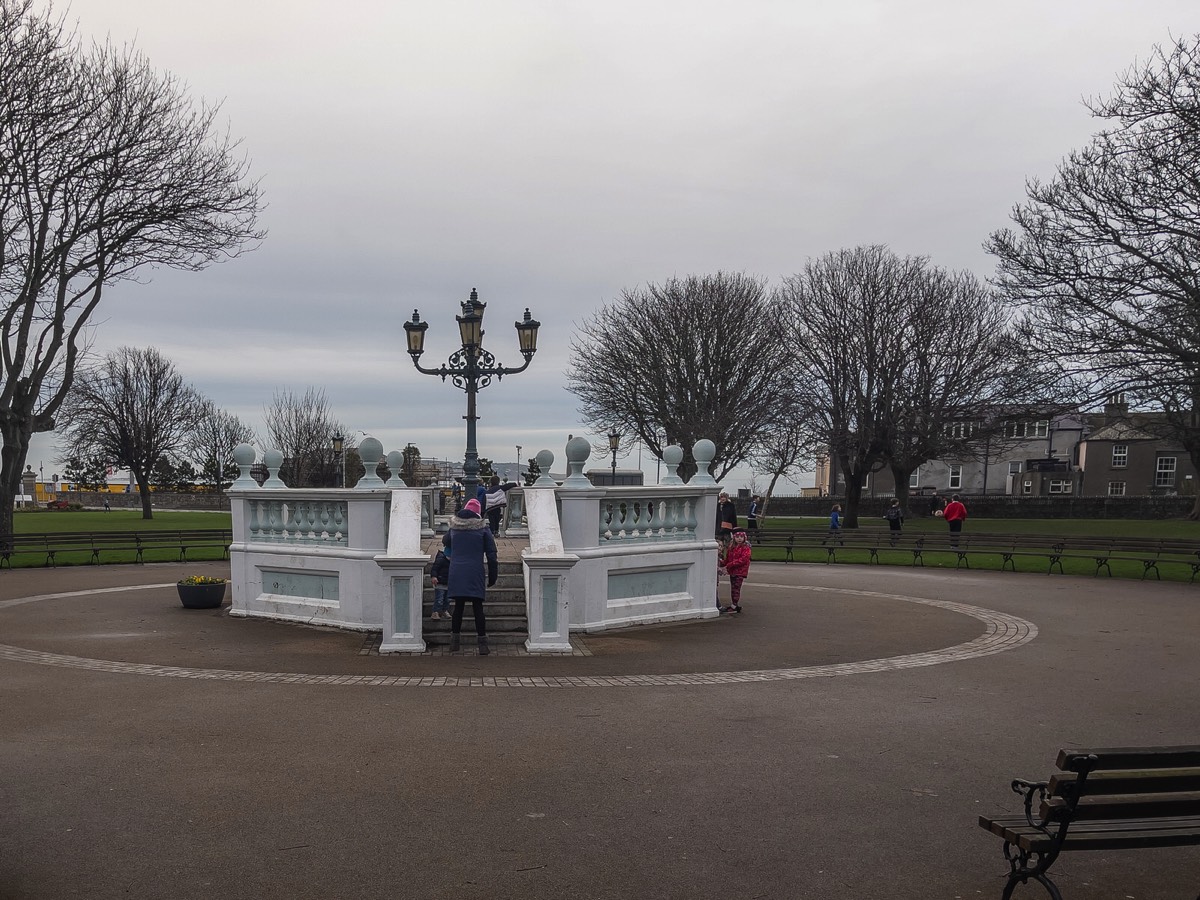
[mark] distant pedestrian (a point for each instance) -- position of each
(737, 567)
(752, 518)
(470, 542)
(835, 523)
(935, 505)
(895, 519)
(107, 508)
(955, 514)
(497, 499)
(726, 518)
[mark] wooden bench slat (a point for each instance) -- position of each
(1134, 757)
(1123, 806)
(1129, 781)
(1132, 834)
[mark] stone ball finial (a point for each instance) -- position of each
(273, 460)
(395, 461)
(578, 451)
(545, 460)
(672, 457)
(370, 451)
(244, 455)
(703, 452)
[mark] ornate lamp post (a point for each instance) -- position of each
(471, 368)
(614, 444)
(339, 450)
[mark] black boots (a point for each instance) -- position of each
(454, 647)
(483, 647)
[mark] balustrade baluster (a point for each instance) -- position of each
(689, 521)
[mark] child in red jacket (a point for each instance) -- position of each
(737, 566)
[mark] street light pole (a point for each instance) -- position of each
(471, 368)
(518, 460)
(339, 450)
(614, 444)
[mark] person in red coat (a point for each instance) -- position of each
(737, 566)
(955, 514)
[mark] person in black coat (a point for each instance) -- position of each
(470, 542)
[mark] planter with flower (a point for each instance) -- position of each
(201, 591)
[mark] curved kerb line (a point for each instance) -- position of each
(1003, 632)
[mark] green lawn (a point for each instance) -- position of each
(58, 521)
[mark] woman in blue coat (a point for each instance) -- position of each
(470, 542)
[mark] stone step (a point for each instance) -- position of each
(490, 609)
(469, 642)
(510, 580)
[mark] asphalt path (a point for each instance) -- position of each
(837, 740)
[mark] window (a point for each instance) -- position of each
(1120, 457)
(1014, 468)
(1164, 473)
(1116, 489)
(1031, 429)
(955, 477)
(914, 480)
(1060, 486)
(960, 430)
(1027, 487)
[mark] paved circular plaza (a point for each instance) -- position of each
(838, 739)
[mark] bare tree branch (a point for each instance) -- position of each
(106, 167)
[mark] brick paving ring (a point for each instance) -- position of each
(1001, 632)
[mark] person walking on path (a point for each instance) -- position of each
(752, 518)
(895, 519)
(470, 542)
(955, 514)
(737, 567)
(835, 523)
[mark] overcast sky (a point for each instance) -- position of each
(552, 153)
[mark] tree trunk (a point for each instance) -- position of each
(1193, 515)
(901, 477)
(12, 458)
(143, 483)
(854, 489)
(762, 513)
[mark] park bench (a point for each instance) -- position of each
(1047, 549)
(94, 543)
(782, 539)
(1121, 798)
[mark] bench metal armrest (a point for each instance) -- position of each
(1031, 791)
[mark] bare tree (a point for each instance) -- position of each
(106, 167)
(210, 445)
(301, 427)
(1106, 255)
(134, 410)
(962, 375)
(845, 335)
(688, 359)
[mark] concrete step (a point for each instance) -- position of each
(442, 638)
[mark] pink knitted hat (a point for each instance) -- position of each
(473, 506)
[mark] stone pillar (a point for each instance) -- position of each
(547, 576)
(403, 567)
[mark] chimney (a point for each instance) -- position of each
(1115, 408)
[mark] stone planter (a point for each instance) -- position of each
(201, 596)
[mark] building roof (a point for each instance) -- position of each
(1122, 430)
